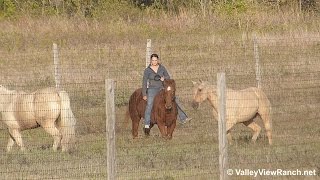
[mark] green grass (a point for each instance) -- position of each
(40, 162)
(290, 70)
(92, 50)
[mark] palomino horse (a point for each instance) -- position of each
(241, 107)
(47, 108)
(164, 111)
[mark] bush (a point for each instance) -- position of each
(232, 7)
(7, 8)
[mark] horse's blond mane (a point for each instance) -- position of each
(206, 84)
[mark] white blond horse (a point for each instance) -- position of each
(47, 108)
(241, 107)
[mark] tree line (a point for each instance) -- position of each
(95, 8)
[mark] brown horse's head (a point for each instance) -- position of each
(169, 92)
(200, 93)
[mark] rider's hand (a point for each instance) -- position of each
(144, 98)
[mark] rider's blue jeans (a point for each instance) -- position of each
(151, 93)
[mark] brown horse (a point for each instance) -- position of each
(164, 111)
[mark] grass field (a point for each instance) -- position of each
(289, 78)
(91, 50)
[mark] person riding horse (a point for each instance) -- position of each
(152, 83)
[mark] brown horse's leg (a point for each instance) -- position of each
(16, 136)
(255, 127)
(135, 127)
(162, 129)
(171, 129)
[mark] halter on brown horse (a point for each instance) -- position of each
(164, 112)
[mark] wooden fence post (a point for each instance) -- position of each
(257, 59)
(148, 52)
(110, 129)
(223, 149)
(56, 62)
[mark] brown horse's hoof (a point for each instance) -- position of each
(164, 137)
(167, 137)
(146, 131)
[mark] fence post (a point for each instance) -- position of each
(56, 62)
(110, 129)
(257, 59)
(223, 149)
(148, 52)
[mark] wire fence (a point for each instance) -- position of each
(289, 69)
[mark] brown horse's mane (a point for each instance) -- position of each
(170, 82)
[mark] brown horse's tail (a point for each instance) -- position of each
(67, 122)
(265, 112)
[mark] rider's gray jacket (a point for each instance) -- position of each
(150, 78)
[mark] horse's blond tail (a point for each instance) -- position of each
(265, 112)
(67, 122)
